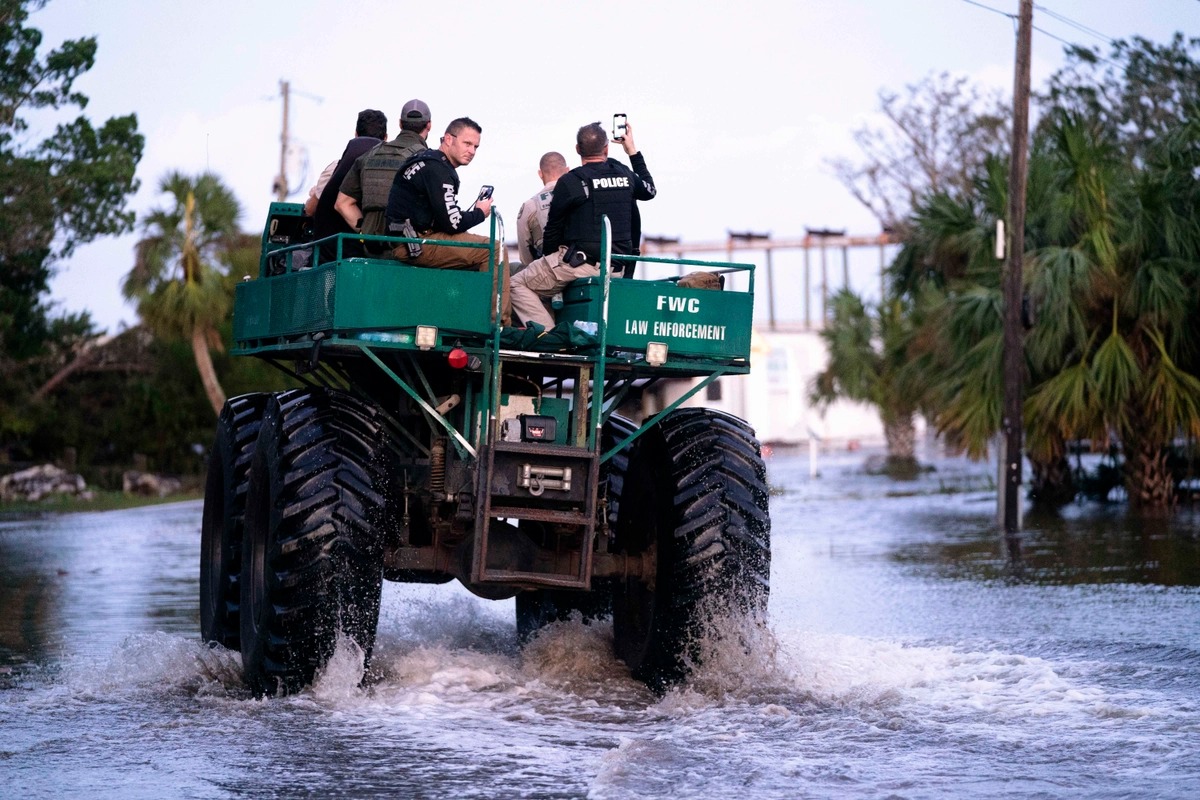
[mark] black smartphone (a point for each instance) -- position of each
(618, 130)
(485, 193)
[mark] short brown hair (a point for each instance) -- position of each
(591, 140)
(552, 162)
(456, 125)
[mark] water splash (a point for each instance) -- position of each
(159, 662)
(573, 651)
(342, 675)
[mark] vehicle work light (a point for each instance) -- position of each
(427, 336)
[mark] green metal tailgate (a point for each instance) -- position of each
(692, 322)
(361, 294)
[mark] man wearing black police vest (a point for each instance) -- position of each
(599, 186)
(424, 201)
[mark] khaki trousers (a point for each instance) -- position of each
(440, 256)
(541, 280)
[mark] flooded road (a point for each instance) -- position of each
(905, 659)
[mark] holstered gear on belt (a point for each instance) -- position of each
(406, 230)
(575, 257)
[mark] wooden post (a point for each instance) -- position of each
(882, 272)
(1014, 350)
(824, 287)
(770, 290)
(807, 290)
(281, 183)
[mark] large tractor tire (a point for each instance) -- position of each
(221, 525)
(541, 607)
(312, 557)
(695, 493)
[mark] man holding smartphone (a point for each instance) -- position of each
(599, 186)
(424, 202)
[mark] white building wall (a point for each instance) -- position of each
(774, 396)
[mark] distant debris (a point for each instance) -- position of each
(33, 484)
(148, 484)
(128, 351)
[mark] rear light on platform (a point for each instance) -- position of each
(457, 358)
(656, 353)
(427, 336)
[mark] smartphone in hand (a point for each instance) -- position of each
(618, 128)
(485, 193)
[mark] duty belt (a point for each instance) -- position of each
(577, 258)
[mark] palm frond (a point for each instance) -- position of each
(1062, 407)
(969, 408)
(1172, 396)
(854, 365)
(1158, 293)
(1116, 373)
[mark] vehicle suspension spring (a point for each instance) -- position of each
(437, 468)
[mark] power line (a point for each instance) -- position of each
(989, 8)
(1045, 32)
(1053, 14)
(1077, 25)
(1069, 43)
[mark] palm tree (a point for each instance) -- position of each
(1121, 290)
(948, 270)
(1114, 273)
(866, 352)
(949, 267)
(176, 278)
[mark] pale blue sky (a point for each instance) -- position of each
(736, 106)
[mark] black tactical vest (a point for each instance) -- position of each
(379, 168)
(609, 187)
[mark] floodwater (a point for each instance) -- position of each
(906, 658)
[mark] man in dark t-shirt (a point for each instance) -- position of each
(326, 220)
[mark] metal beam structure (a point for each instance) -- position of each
(806, 242)
(821, 240)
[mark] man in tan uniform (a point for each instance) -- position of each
(531, 219)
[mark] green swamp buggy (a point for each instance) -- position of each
(428, 445)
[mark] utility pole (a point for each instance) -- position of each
(1014, 350)
(281, 182)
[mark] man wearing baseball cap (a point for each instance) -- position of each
(363, 196)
